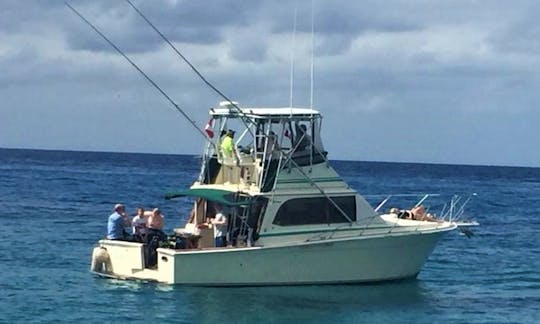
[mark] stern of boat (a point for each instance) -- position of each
(126, 260)
(117, 258)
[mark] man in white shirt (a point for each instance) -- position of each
(220, 227)
(139, 224)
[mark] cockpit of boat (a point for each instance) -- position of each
(243, 212)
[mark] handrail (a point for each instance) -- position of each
(457, 205)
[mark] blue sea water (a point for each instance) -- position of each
(54, 206)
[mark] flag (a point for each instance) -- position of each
(209, 128)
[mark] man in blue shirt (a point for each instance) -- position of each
(117, 223)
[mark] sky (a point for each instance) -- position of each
(402, 81)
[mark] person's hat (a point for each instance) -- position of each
(118, 207)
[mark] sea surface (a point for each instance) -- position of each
(54, 207)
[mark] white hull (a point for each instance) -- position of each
(352, 260)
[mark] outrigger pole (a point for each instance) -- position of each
(141, 72)
(189, 63)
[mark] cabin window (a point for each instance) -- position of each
(308, 211)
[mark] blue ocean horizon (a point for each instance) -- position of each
(54, 206)
(198, 155)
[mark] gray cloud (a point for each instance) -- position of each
(444, 81)
(521, 33)
(198, 22)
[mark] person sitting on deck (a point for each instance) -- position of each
(400, 213)
(220, 226)
(417, 213)
(117, 223)
(139, 225)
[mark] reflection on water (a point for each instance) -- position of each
(274, 304)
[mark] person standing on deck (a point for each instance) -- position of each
(228, 156)
(117, 223)
(227, 145)
(303, 140)
(154, 235)
(220, 227)
(155, 221)
(271, 147)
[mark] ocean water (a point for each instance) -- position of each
(54, 206)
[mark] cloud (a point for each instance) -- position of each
(404, 80)
(180, 21)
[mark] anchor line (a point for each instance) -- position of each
(189, 64)
(141, 72)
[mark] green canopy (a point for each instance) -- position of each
(224, 197)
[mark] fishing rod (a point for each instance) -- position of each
(189, 63)
(140, 71)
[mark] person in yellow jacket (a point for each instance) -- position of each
(228, 155)
(227, 145)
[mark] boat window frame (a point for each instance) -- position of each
(286, 214)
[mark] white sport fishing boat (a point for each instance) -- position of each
(292, 219)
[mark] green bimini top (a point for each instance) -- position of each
(229, 198)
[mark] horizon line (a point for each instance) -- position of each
(197, 154)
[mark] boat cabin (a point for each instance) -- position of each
(268, 168)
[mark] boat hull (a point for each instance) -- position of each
(350, 260)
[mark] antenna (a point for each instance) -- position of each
(292, 58)
(312, 50)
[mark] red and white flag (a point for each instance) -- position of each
(209, 128)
